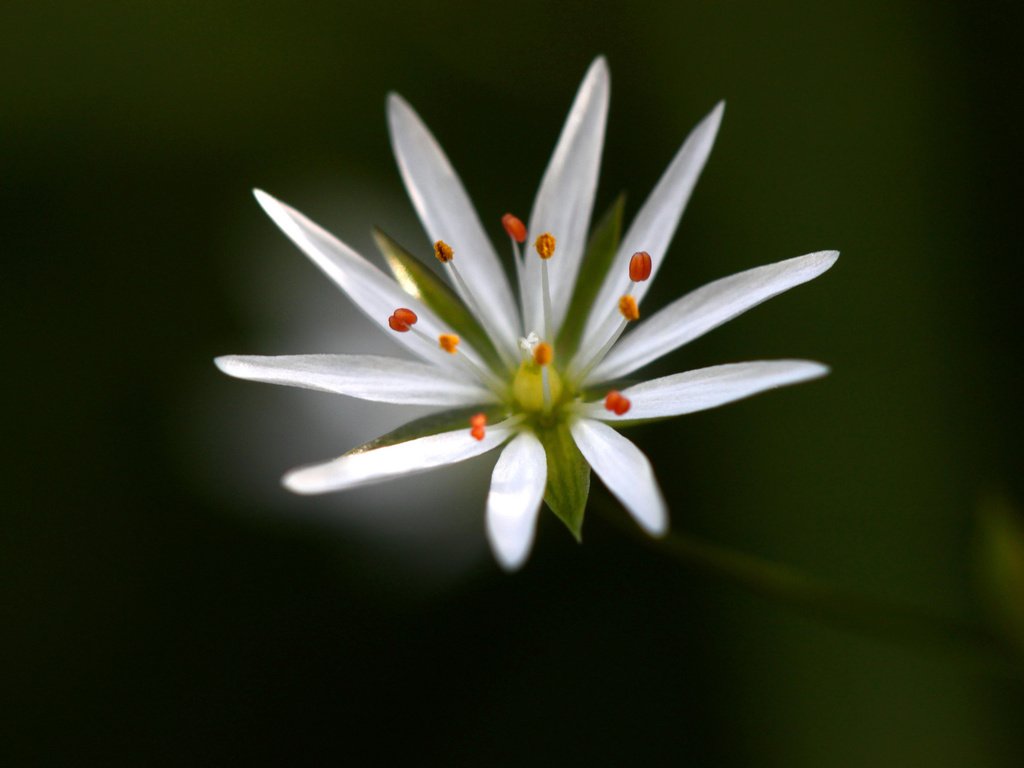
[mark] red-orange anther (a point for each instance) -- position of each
(402, 319)
(545, 245)
(477, 423)
(640, 266)
(514, 227)
(443, 252)
(616, 403)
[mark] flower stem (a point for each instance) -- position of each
(876, 617)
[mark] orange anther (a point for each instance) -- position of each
(616, 403)
(514, 227)
(545, 245)
(443, 252)
(640, 266)
(628, 308)
(449, 342)
(402, 319)
(477, 422)
(543, 354)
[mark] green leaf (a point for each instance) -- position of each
(568, 477)
(601, 248)
(433, 424)
(1000, 566)
(418, 281)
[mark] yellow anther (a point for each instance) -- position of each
(543, 354)
(545, 245)
(443, 252)
(628, 308)
(449, 342)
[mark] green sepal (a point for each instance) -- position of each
(568, 477)
(418, 281)
(433, 424)
(597, 260)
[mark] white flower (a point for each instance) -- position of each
(534, 377)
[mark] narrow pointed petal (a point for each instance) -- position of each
(707, 388)
(448, 214)
(566, 197)
(654, 225)
(368, 377)
(704, 309)
(408, 458)
(517, 488)
(625, 470)
(376, 294)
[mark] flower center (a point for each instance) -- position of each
(537, 390)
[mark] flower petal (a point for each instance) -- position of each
(408, 458)
(654, 225)
(371, 290)
(707, 388)
(448, 214)
(625, 470)
(369, 377)
(705, 308)
(565, 199)
(517, 488)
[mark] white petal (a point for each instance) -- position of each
(371, 290)
(517, 488)
(448, 214)
(707, 388)
(369, 377)
(705, 308)
(406, 458)
(625, 470)
(654, 225)
(566, 197)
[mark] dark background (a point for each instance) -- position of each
(166, 602)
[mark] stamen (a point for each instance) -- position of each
(449, 342)
(542, 356)
(629, 309)
(514, 227)
(630, 312)
(443, 252)
(542, 353)
(477, 424)
(616, 403)
(402, 320)
(545, 246)
(640, 266)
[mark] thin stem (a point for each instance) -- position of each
(603, 351)
(884, 619)
(546, 290)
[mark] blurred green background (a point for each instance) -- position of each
(166, 602)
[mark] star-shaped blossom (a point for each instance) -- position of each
(541, 377)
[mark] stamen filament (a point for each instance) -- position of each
(450, 343)
(629, 311)
(546, 382)
(446, 255)
(545, 245)
(542, 356)
(545, 288)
